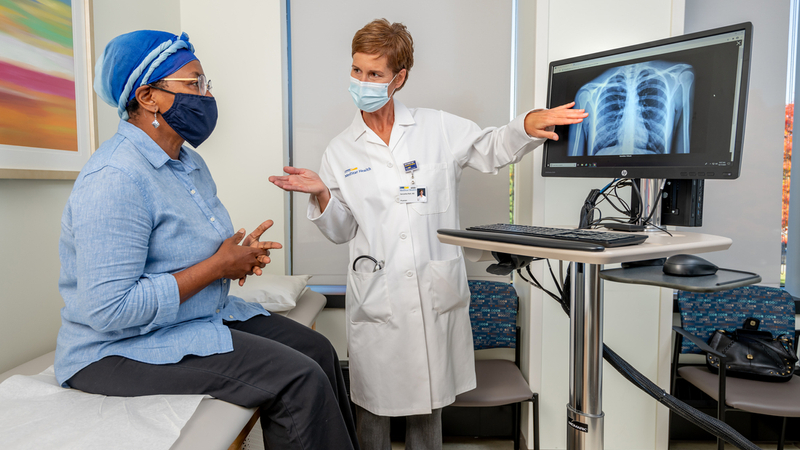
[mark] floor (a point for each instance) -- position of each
(487, 444)
(452, 443)
(708, 445)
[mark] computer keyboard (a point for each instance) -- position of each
(585, 240)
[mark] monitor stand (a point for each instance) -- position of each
(650, 191)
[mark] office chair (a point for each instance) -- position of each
(493, 313)
(701, 315)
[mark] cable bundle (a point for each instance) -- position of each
(610, 195)
(710, 424)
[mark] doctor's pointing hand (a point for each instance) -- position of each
(408, 331)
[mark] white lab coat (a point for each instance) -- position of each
(408, 328)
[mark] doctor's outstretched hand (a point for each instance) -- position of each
(303, 180)
(540, 123)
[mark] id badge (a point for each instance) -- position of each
(413, 194)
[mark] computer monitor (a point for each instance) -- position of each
(668, 109)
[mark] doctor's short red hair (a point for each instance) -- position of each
(392, 40)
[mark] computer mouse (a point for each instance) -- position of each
(688, 266)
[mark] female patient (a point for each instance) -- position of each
(147, 256)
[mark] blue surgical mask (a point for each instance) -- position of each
(370, 97)
(193, 117)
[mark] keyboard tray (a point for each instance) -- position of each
(605, 238)
(518, 239)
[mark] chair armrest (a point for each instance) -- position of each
(722, 388)
(698, 342)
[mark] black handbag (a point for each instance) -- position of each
(750, 353)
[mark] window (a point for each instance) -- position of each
(787, 168)
(787, 136)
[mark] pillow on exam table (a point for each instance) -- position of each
(274, 292)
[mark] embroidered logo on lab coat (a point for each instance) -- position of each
(355, 170)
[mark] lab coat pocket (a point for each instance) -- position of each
(449, 285)
(436, 179)
(369, 299)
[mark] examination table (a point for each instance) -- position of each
(215, 424)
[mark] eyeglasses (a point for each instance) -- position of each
(202, 84)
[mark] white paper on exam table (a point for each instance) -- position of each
(35, 412)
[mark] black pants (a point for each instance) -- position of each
(289, 371)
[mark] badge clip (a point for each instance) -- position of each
(410, 167)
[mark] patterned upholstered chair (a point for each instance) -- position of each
(493, 313)
(702, 314)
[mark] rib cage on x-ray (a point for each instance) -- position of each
(640, 108)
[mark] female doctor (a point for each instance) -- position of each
(407, 303)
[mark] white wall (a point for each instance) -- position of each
(30, 224)
(445, 76)
(748, 209)
(529, 318)
(633, 420)
(565, 29)
(115, 17)
(30, 212)
(239, 46)
(240, 49)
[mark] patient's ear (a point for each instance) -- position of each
(144, 96)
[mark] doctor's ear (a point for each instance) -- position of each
(402, 76)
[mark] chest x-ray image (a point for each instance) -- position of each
(638, 109)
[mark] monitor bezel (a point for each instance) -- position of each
(662, 172)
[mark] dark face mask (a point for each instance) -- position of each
(193, 117)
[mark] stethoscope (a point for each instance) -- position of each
(378, 264)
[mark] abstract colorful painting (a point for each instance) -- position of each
(46, 108)
(37, 75)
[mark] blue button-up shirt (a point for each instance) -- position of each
(135, 217)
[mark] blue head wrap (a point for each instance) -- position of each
(135, 59)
